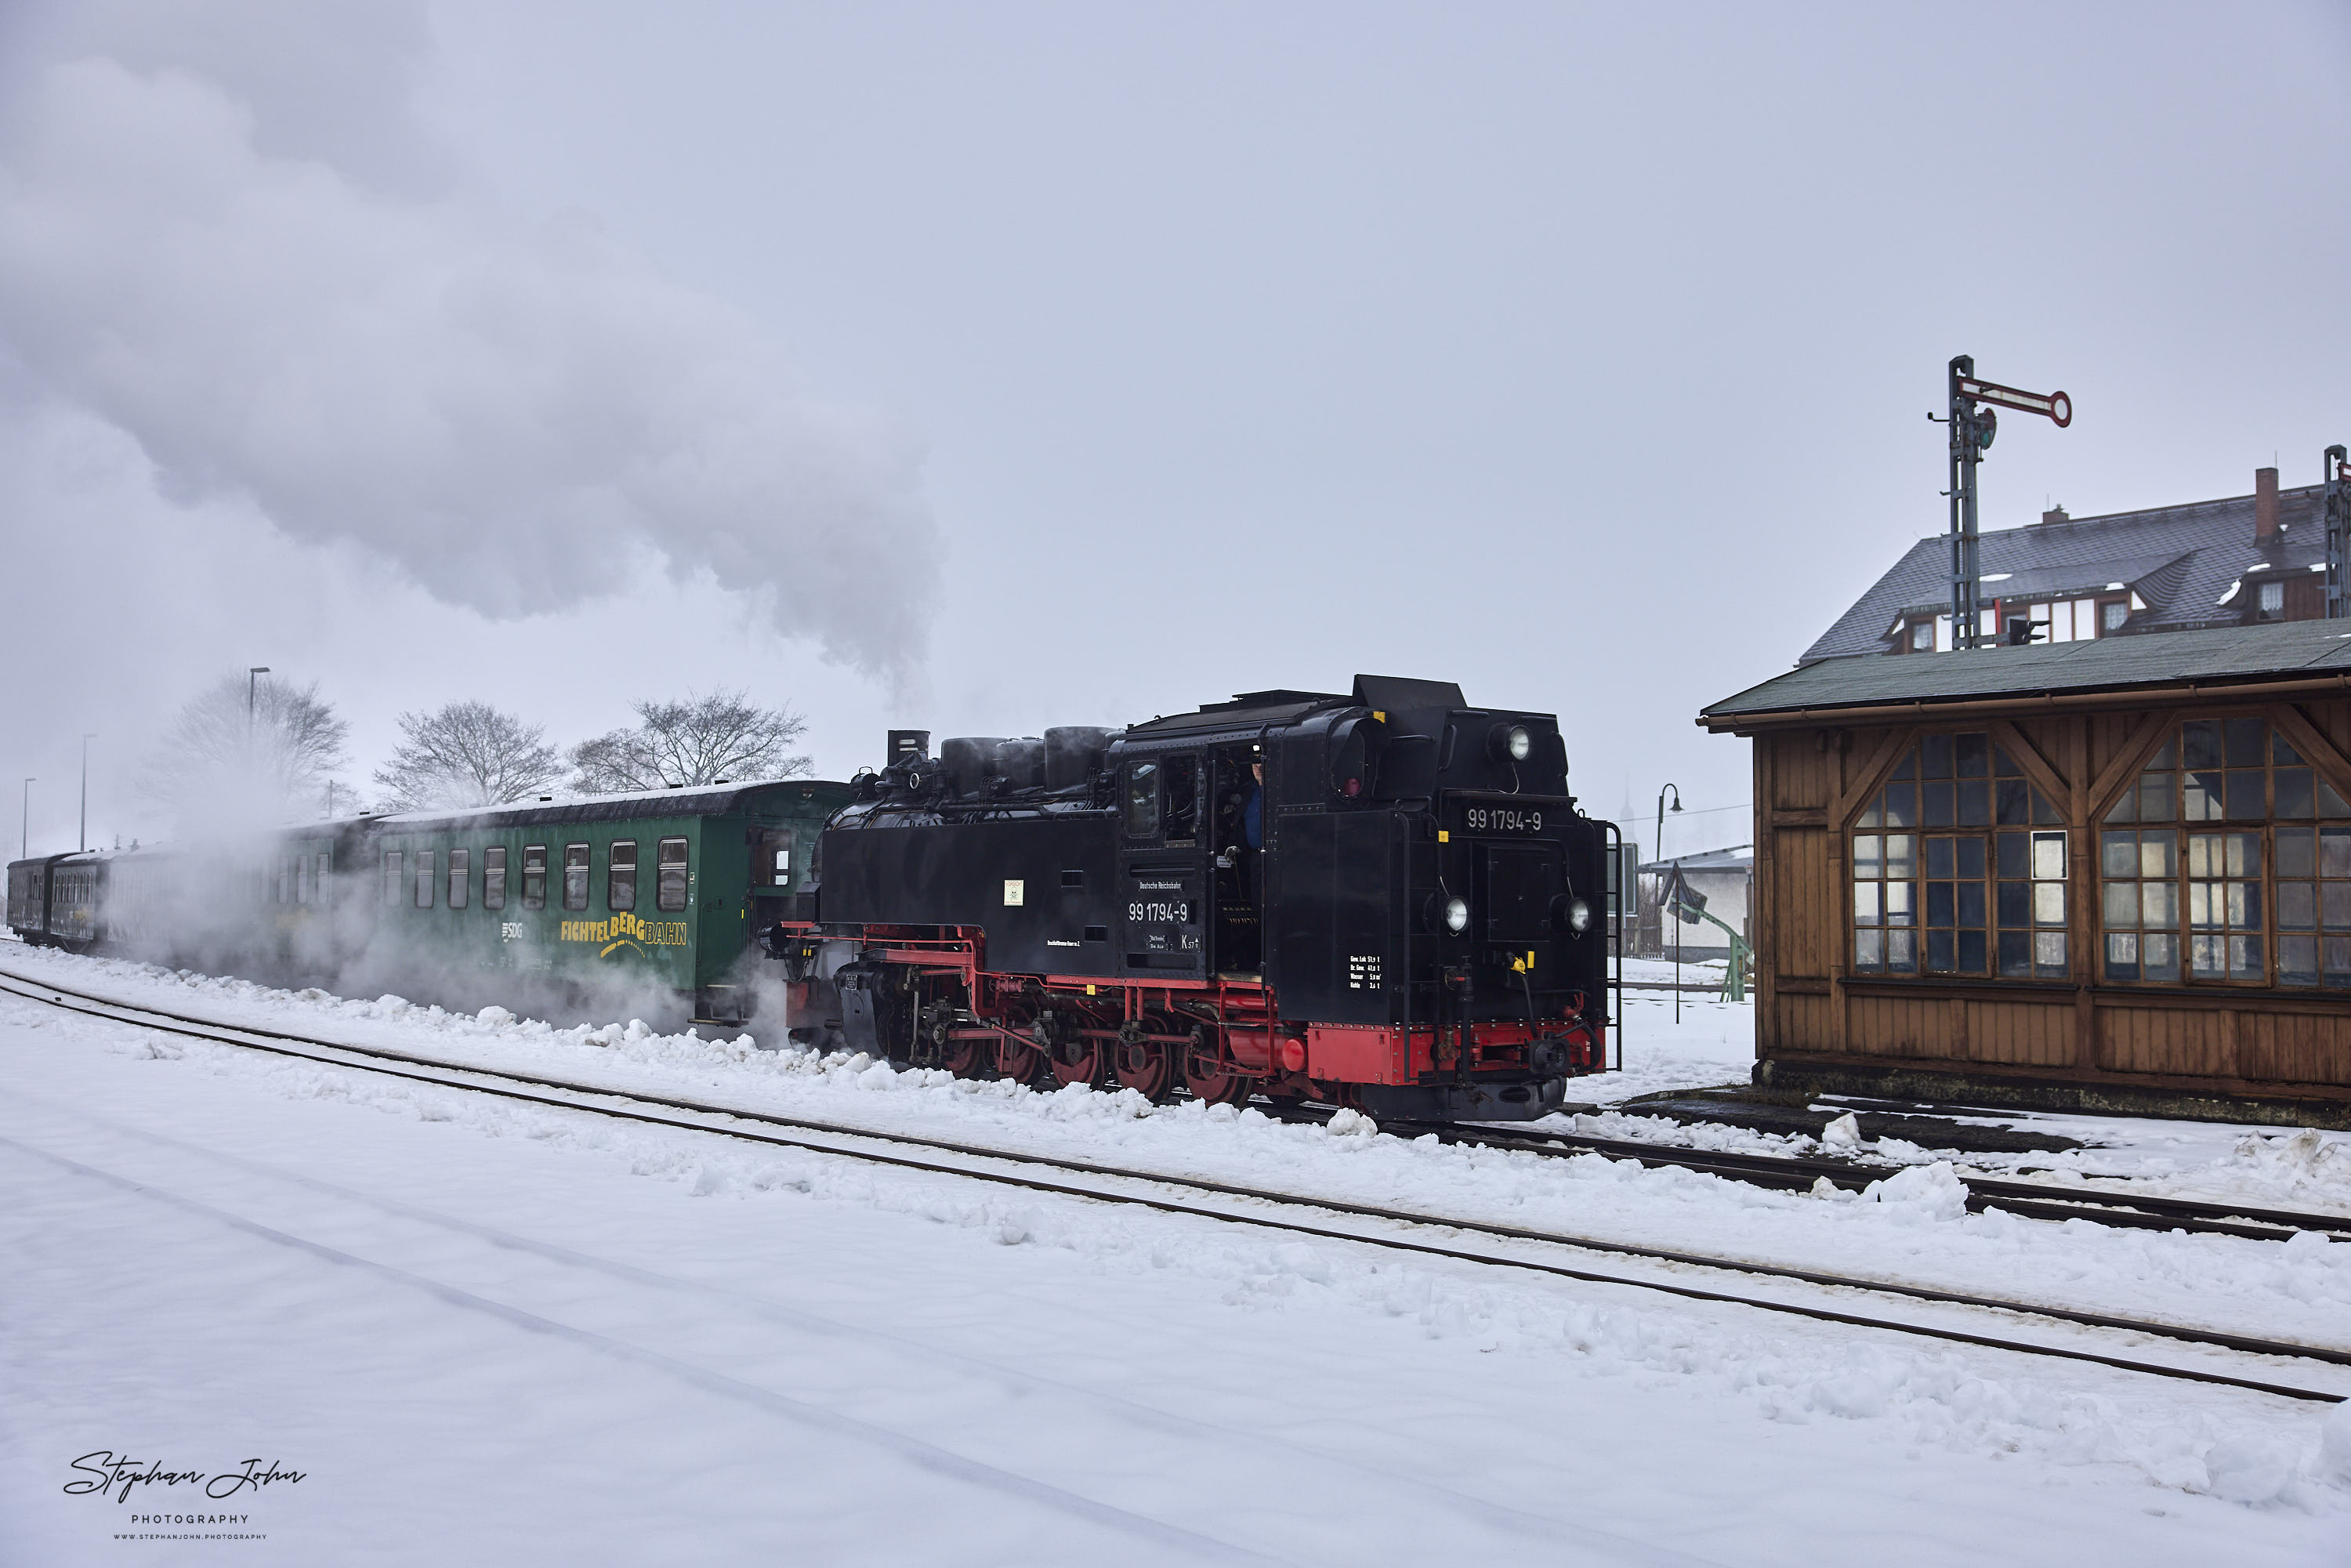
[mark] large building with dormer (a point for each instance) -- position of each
(2237, 561)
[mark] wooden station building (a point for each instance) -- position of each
(2111, 873)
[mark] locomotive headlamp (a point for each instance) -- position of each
(1579, 917)
(1456, 916)
(1509, 742)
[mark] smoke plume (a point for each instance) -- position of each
(521, 417)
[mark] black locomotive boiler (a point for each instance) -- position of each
(1385, 899)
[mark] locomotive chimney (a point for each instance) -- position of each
(2265, 510)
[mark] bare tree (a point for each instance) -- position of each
(247, 754)
(702, 740)
(467, 754)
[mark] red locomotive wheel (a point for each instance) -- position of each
(962, 1057)
(1210, 1078)
(1018, 1061)
(1147, 1068)
(1091, 1067)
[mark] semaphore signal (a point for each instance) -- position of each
(1972, 428)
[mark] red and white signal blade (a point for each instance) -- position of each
(2056, 406)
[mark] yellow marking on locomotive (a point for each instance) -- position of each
(1443, 837)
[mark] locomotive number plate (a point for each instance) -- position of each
(1501, 820)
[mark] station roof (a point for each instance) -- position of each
(2253, 656)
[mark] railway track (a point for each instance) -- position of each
(986, 1163)
(2034, 1200)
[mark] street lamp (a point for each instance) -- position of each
(88, 737)
(250, 674)
(24, 824)
(1666, 903)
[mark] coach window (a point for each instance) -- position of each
(301, 879)
(1142, 797)
(319, 878)
(285, 882)
(620, 876)
(393, 886)
(424, 879)
(669, 890)
(575, 876)
(534, 877)
(494, 877)
(771, 861)
(461, 878)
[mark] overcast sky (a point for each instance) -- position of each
(982, 368)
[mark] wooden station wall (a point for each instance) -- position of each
(1811, 780)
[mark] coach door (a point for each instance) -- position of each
(1163, 866)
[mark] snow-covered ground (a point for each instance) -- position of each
(490, 1333)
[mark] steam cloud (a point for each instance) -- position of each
(520, 418)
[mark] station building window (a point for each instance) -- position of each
(669, 889)
(461, 877)
(621, 876)
(424, 879)
(575, 876)
(534, 877)
(2227, 859)
(1959, 867)
(494, 877)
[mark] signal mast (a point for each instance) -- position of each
(1971, 431)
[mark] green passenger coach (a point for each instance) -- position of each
(662, 889)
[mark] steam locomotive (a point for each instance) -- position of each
(1386, 900)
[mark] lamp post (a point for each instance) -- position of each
(87, 735)
(24, 824)
(1665, 906)
(251, 675)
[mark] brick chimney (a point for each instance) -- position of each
(2056, 514)
(2265, 516)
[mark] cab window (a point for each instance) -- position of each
(1182, 785)
(1142, 797)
